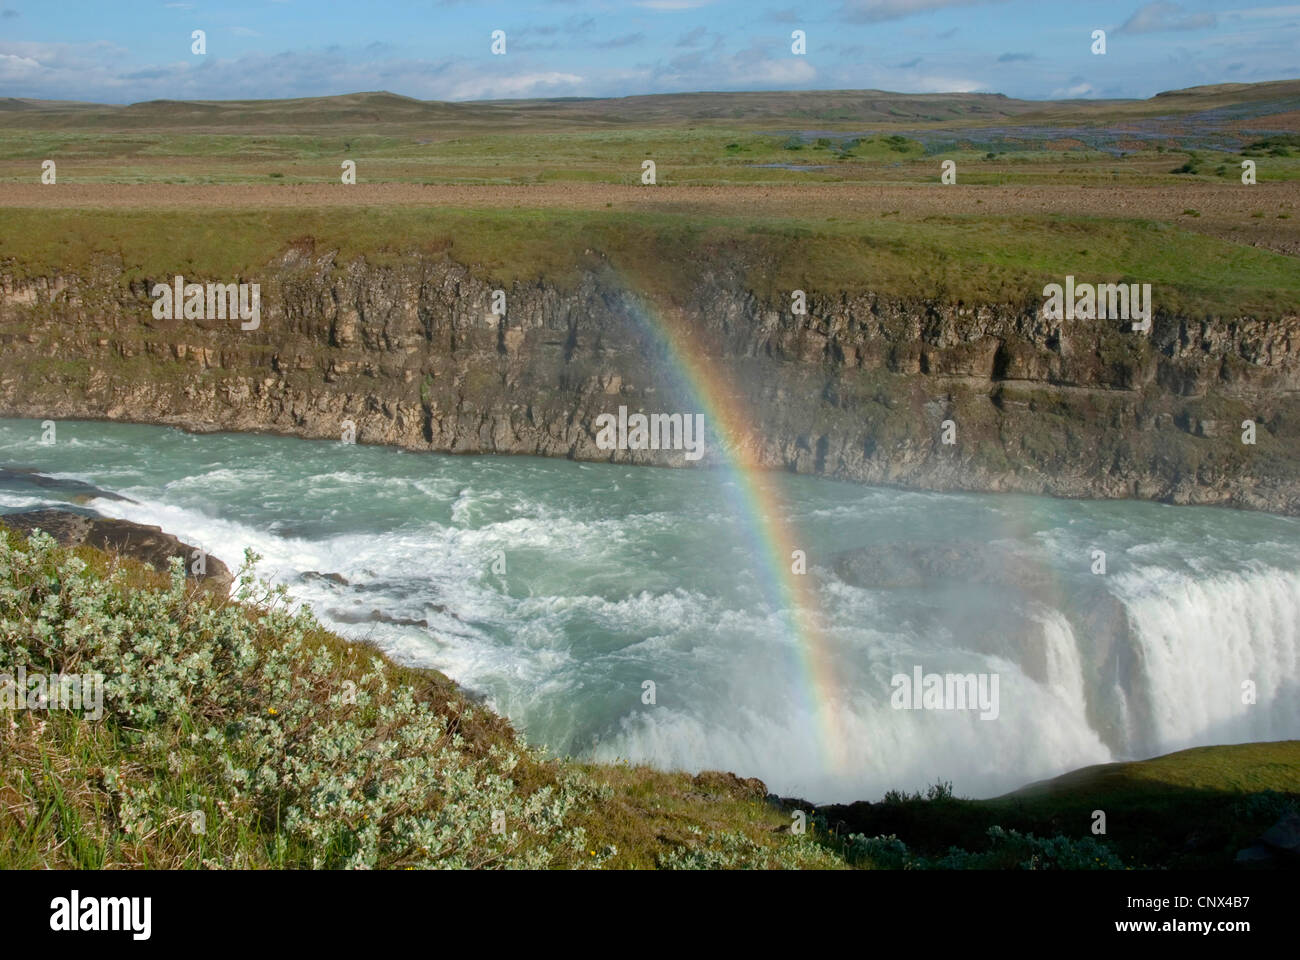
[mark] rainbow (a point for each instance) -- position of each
(761, 502)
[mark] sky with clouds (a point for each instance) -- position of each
(126, 51)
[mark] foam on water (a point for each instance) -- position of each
(14, 501)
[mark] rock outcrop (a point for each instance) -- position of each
(139, 541)
(1278, 846)
(74, 490)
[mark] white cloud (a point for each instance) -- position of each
(937, 84)
(94, 71)
(1074, 92)
(684, 58)
(493, 87)
(13, 67)
(789, 72)
(1260, 13)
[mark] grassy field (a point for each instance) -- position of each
(975, 257)
(712, 155)
(835, 191)
(709, 138)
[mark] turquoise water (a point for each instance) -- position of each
(615, 575)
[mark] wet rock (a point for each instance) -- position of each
(899, 565)
(1284, 836)
(335, 578)
(378, 616)
(75, 490)
(1257, 855)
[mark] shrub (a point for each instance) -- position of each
(296, 753)
(1008, 849)
(735, 851)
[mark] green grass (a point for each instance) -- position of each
(712, 155)
(705, 154)
(973, 258)
(1242, 768)
(1188, 810)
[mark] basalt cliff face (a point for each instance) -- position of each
(858, 388)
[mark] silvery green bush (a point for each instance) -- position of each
(271, 734)
(736, 851)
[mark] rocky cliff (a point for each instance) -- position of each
(856, 389)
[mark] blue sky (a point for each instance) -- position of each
(125, 51)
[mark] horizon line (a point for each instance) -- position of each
(665, 94)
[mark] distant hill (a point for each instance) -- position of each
(382, 111)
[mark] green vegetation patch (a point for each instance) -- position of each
(974, 258)
(1188, 810)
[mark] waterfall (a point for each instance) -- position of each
(1197, 640)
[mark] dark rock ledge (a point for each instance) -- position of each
(139, 541)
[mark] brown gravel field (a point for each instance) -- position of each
(797, 200)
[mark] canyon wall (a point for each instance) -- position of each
(857, 389)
